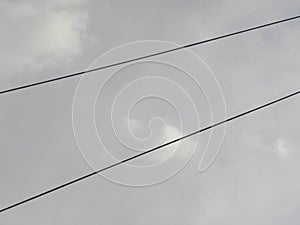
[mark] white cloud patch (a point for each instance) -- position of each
(166, 133)
(133, 124)
(36, 34)
(281, 148)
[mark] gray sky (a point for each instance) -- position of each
(255, 179)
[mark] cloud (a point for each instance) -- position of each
(282, 148)
(255, 179)
(167, 133)
(36, 35)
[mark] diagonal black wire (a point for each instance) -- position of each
(150, 55)
(148, 151)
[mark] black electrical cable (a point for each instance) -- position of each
(150, 55)
(149, 151)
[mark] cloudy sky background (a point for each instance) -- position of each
(255, 178)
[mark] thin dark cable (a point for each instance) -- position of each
(148, 151)
(150, 55)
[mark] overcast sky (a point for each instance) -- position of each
(254, 180)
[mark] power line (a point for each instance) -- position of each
(149, 151)
(150, 55)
